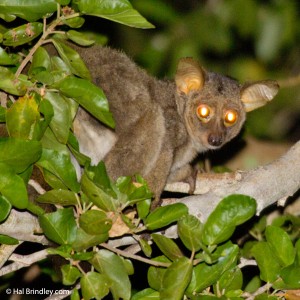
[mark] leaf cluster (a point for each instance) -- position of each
(41, 93)
(276, 251)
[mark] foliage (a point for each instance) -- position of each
(41, 94)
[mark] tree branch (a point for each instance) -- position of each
(22, 261)
(272, 183)
(267, 184)
(23, 226)
(5, 252)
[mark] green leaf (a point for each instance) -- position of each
(60, 197)
(155, 277)
(165, 215)
(62, 119)
(176, 279)
(40, 60)
(12, 187)
(189, 230)
(5, 58)
(30, 10)
(136, 189)
(64, 251)
(156, 274)
(146, 248)
(60, 69)
(19, 154)
(26, 119)
(2, 114)
(297, 248)
(231, 280)
(94, 285)
(11, 85)
(167, 246)
(84, 241)
(59, 164)
(69, 274)
(128, 266)
(88, 96)
(72, 59)
(59, 226)
(140, 192)
(35, 209)
(253, 285)
(42, 76)
(143, 208)
(146, 294)
(230, 212)
(7, 240)
(63, 2)
(291, 277)
(79, 38)
(52, 180)
(83, 255)
(205, 275)
(73, 145)
(22, 34)
(75, 22)
(22, 118)
(112, 266)
(95, 222)
(75, 295)
(281, 245)
(100, 177)
(46, 111)
(96, 194)
(119, 11)
(5, 208)
(266, 261)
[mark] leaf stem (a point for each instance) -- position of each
(46, 33)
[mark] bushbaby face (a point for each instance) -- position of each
(214, 106)
(215, 114)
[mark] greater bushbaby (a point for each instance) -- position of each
(161, 125)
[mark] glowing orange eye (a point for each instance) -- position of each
(204, 112)
(230, 118)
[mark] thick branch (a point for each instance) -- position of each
(22, 261)
(267, 184)
(23, 226)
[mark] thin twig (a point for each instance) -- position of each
(36, 186)
(45, 35)
(136, 257)
(247, 262)
(261, 290)
(36, 46)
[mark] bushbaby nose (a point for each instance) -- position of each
(215, 140)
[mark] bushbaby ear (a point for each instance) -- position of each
(189, 76)
(257, 94)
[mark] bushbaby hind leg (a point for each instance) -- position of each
(142, 149)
